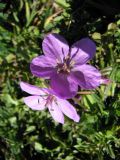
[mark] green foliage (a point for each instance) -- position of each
(27, 134)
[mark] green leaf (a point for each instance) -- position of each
(27, 7)
(2, 5)
(62, 3)
(110, 151)
(30, 129)
(38, 147)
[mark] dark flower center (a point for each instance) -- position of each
(50, 100)
(66, 66)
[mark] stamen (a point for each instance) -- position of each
(72, 63)
(58, 70)
(68, 70)
(65, 66)
(67, 57)
(49, 100)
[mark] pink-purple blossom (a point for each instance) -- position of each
(42, 98)
(66, 67)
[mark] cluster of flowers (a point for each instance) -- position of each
(67, 69)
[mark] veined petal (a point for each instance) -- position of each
(63, 86)
(86, 76)
(43, 66)
(82, 51)
(35, 102)
(68, 109)
(55, 46)
(56, 112)
(31, 89)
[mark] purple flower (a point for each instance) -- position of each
(66, 67)
(42, 98)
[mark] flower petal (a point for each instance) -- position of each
(68, 109)
(82, 51)
(35, 102)
(86, 76)
(56, 112)
(31, 89)
(42, 66)
(55, 46)
(105, 81)
(63, 86)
